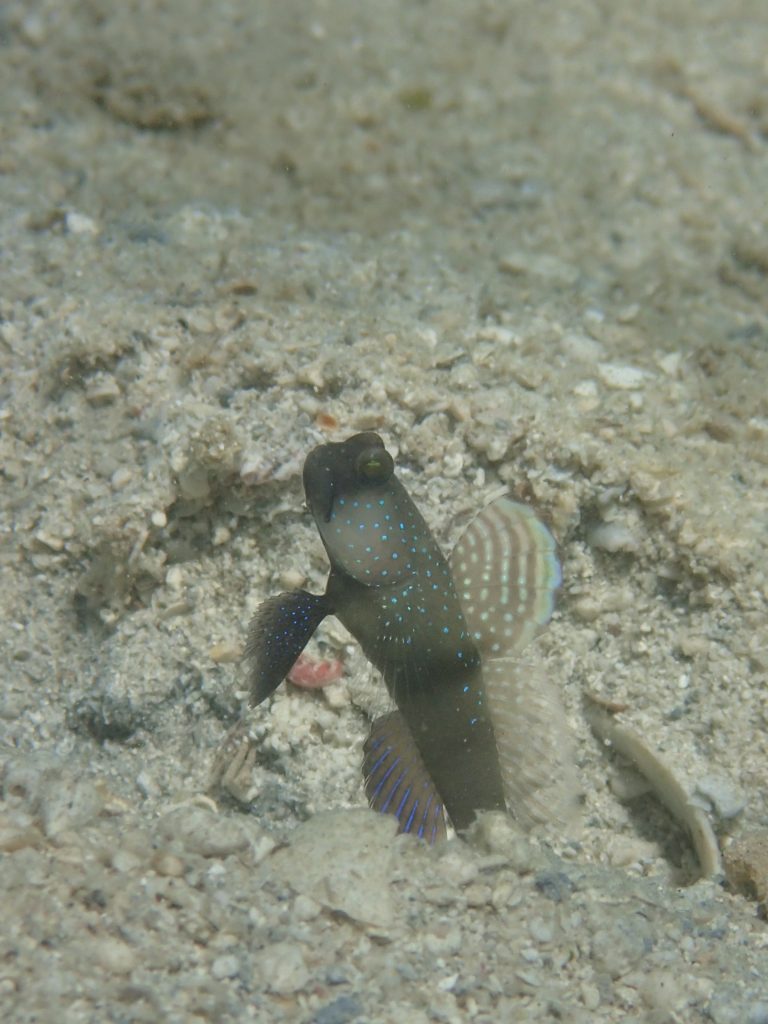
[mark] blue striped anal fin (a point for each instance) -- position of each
(278, 633)
(506, 572)
(396, 781)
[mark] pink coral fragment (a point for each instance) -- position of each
(311, 674)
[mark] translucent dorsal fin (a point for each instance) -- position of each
(534, 743)
(506, 572)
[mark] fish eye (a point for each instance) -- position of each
(374, 465)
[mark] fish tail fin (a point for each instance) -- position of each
(535, 748)
(278, 633)
(396, 781)
(506, 572)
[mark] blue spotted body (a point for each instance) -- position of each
(427, 626)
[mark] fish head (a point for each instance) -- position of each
(371, 529)
(345, 470)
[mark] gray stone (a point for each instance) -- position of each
(343, 860)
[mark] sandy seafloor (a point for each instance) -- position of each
(528, 243)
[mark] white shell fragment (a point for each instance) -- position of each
(613, 537)
(664, 783)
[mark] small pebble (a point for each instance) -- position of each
(581, 347)
(496, 833)
(554, 885)
(336, 975)
(121, 477)
(530, 955)
(585, 389)
(226, 966)
(587, 609)
(102, 389)
(283, 968)
(292, 579)
(453, 465)
(590, 995)
(205, 833)
(125, 861)
(305, 908)
(113, 955)
(146, 784)
(620, 377)
(80, 224)
(168, 864)
(447, 984)
(32, 29)
(49, 540)
(541, 931)
(443, 943)
(692, 645)
(720, 795)
(225, 653)
(613, 537)
(336, 695)
(455, 868)
(174, 578)
(343, 1010)
(502, 896)
(13, 837)
(671, 364)
(221, 535)
(496, 448)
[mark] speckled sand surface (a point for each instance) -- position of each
(528, 243)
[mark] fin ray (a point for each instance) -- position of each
(506, 572)
(396, 781)
(536, 752)
(278, 633)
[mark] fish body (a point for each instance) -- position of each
(425, 624)
(436, 681)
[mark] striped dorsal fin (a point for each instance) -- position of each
(506, 572)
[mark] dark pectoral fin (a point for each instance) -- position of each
(278, 633)
(396, 781)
